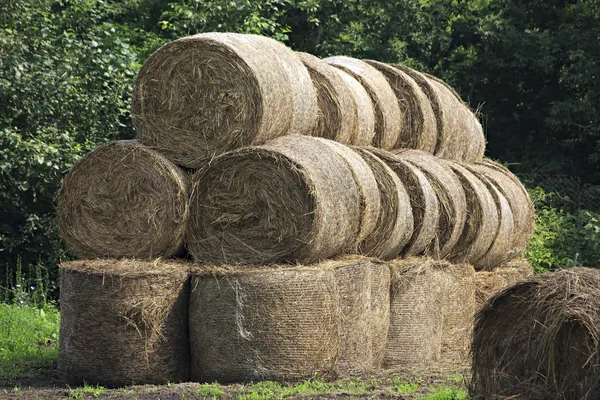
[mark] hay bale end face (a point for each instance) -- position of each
(284, 323)
(388, 118)
(337, 114)
(294, 199)
(546, 347)
(124, 322)
(395, 219)
(419, 127)
(203, 95)
(123, 200)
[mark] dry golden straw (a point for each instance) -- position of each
(451, 198)
(489, 283)
(337, 117)
(388, 118)
(124, 322)
(365, 124)
(292, 200)
(538, 339)
(200, 96)
(123, 200)
(419, 127)
(395, 221)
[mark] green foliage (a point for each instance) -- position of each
(28, 341)
(561, 238)
(212, 390)
(406, 386)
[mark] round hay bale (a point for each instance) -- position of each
(419, 128)
(292, 200)
(395, 219)
(380, 310)
(388, 117)
(498, 252)
(281, 323)
(337, 117)
(491, 282)
(418, 290)
(423, 201)
(459, 309)
(451, 197)
(520, 204)
(370, 197)
(203, 95)
(124, 322)
(365, 124)
(482, 220)
(123, 200)
(538, 339)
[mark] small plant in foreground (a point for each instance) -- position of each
(406, 386)
(213, 390)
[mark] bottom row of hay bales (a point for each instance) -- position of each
(134, 321)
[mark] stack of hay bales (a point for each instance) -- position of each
(334, 210)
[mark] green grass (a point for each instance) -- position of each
(28, 342)
(80, 393)
(407, 386)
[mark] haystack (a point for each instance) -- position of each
(520, 204)
(282, 323)
(481, 225)
(538, 339)
(423, 201)
(499, 250)
(124, 322)
(491, 282)
(200, 96)
(337, 117)
(294, 199)
(418, 291)
(380, 311)
(419, 127)
(388, 117)
(451, 198)
(395, 220)
(365, 125)
(123, 200)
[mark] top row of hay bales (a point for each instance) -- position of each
(200, 96)
(295, 199)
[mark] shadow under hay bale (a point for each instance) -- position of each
(395, 219)
(337, 117)
(388, 117)
(481, 224)
(419, 127)
(203, 95)
(124, 322)
(451, 199)
(423, 201)
(284, 323)
(491, 282)
(365, 123)
(123, 200)
(520, 204)
(538, 339)
(294, 199)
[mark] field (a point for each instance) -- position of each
(29, 349)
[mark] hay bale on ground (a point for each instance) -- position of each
(388, 118)
(451, 198)
(395, 219)
(418, 290)
(380, 310)
(481, 225)
(365, 125)
(520, 204)
(419, 129)
(370, 196)
(124, 322)
(294, 199)
(423, 201)
(538, 339)
(337, 117)
(459, 309)
(123, 200)
(281, 323)
(498, 252)
(491, 282)
(203, 95)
